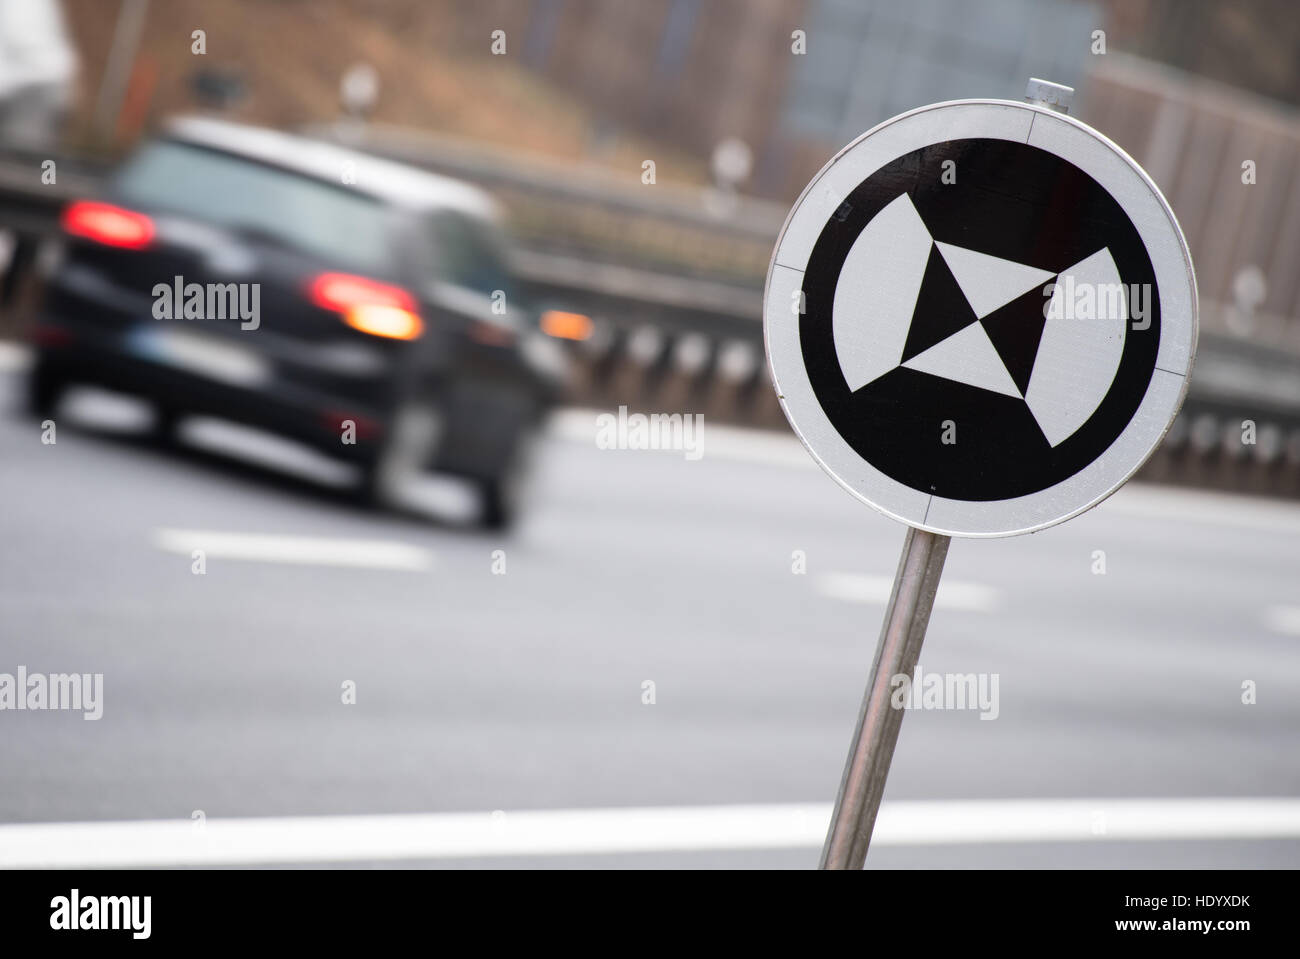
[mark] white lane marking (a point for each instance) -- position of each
(1283, 619)
(1073, 820)
(750, 445)
(308, 550)
(602, 831)
(953, 594)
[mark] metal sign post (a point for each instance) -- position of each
(901, 636)
(980, 320)
(897, 654)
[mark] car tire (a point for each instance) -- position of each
(408, 447)
(165, 431)
(500, 506)
(501, 496)
(45, 387)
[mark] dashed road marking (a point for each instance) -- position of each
(305, 550)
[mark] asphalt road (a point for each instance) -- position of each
(479, 691)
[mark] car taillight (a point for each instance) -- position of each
(108, 224)
(379, 309)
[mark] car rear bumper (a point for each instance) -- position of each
(484, 419)
(316, 417)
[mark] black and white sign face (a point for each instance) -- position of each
(980, 317)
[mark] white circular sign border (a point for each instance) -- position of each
(1157, 227)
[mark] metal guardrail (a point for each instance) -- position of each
(690, 342)
(29, 204)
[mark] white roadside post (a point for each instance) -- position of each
(980, 318)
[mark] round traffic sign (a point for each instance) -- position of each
(981, 317)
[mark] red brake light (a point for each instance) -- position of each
(379, 309)
(108, 224)
(339, 291)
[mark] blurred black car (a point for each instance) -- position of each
(354, 304)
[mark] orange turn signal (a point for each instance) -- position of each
(566, 326)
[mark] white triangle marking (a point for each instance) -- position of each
(876, 292)
(968, 356)
(989, 281)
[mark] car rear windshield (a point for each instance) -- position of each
(309, 215)
(470, 254)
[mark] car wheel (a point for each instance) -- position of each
(45, 387)
(405, 452)
(166, 426)
(500, 504)
(501, 496)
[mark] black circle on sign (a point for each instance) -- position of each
(1013, 201)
